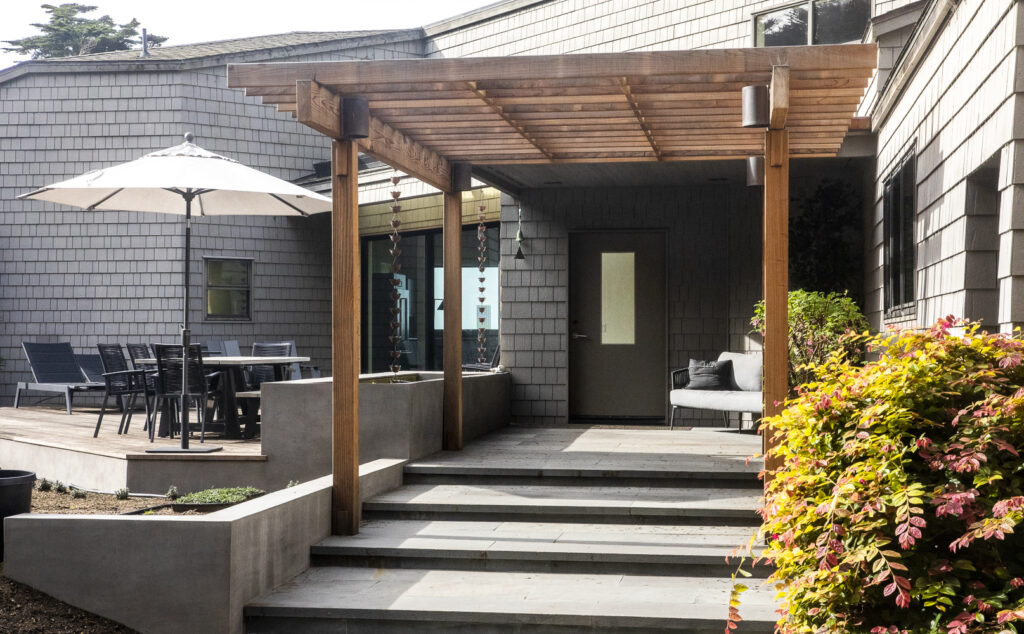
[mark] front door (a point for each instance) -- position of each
(617, 351)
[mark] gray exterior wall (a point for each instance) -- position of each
(70, 275)
(607, 26)
(960, 111)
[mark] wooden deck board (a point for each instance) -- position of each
(52, 427)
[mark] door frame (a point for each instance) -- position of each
(665, 232)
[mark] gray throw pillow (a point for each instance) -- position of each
(709, 375)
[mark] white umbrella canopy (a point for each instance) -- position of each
(169, 181)
(158, 181)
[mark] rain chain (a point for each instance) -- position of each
(396, 267)
(481, 238)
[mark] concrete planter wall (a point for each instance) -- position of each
(396, 420)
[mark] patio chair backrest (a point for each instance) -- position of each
(231, 348)
(265, 373)
(121, 381)
(138, 351)
(112, 357)
(53, 363)
(168, 368)
(92, 366)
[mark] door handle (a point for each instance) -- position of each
(580, 335)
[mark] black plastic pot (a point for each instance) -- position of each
(15, 496)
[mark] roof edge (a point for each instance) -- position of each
(28, 67)
(476, 16)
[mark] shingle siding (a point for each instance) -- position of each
(957, 111)
(71, 275)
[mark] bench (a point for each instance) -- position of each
(743, 394)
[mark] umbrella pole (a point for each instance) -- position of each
(186, 334)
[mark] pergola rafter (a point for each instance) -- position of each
(431, 116)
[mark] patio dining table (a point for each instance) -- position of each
(233, 380)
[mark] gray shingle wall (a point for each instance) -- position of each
(708, 307)
(70, 275)
(958, 111)
(600, 26)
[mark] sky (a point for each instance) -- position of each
(191, 21)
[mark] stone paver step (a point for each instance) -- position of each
(647, 505)
(367, 600)
(539, 546)
(439, 471)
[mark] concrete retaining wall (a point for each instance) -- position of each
(396, 420)
(179, 574)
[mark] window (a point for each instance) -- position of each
(420, 290)
(813, 22)
(229, 289)
(898, 204)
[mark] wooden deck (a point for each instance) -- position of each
(52, 427)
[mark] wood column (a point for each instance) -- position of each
(345, 338)
(452, 434)
(776, 275)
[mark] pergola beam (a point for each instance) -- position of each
(712, 62)
(778, 97)
(638, 113)
(320, 108)
(500, 111)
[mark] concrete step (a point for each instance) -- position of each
(383, 601)
(570, 504)
(445, 472)
(697, 551)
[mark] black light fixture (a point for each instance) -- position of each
(755, 171)
(519, 238)
(755, 106)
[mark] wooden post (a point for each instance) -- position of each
(345, 338)
(776, 275)
(452, 321)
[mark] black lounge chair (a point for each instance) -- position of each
(55, 369)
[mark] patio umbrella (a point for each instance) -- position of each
(169, 181)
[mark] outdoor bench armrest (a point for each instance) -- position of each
(680, 378)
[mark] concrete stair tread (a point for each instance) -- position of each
(539, 540)
(578, 500)
(601, 600)
(634, 469)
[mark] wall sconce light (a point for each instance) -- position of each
(755, 171)
(755, 107)
(519, 238)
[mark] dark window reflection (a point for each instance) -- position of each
(838, 21)
(787, 27)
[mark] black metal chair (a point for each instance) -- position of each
(168, 385)
(138, 351)
(121, 383)
(269, 373)
(55, 369)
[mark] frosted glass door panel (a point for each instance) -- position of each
(618, 298)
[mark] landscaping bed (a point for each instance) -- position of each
(91, 504)
(23, 609)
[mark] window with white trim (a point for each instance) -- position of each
(813, 22)
(228, 289)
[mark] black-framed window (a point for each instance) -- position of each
(899, 196)
(420, 292)
(813, 22)
(228, 289)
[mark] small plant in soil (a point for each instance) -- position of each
(172, 493)
(60, 487)
(44, 485)
(121, 494)
(78, 494)
(230, 495)
(292, 483)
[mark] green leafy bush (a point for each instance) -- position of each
(900, 488)
(172, 493)
(122, 494)
(78, 494)
(230, 495)
(60, 487)
(44, 485)
(818, 324)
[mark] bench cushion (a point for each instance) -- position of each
(746, 370)
(722, 400)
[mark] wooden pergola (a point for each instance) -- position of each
(436, 118)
